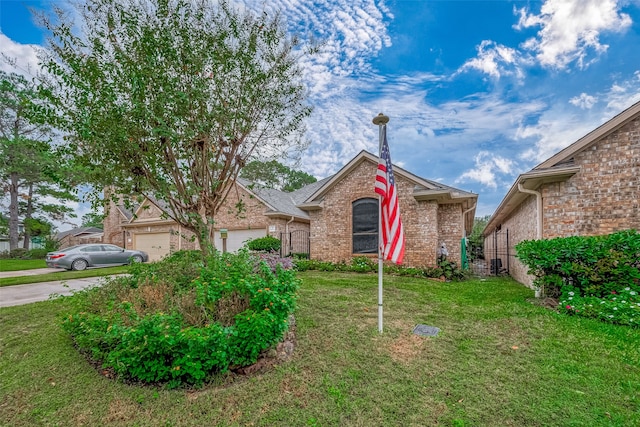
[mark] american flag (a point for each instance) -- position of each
(392, 231)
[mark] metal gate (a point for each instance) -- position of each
(295, 243)
(498, 253)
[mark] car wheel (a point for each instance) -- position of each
(79, 265)
(136, 259)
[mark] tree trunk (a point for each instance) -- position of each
(206, 235)
(27, 216)
(13, 212)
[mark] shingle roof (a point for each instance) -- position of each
(78, 231)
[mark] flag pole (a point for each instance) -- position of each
(381, 121)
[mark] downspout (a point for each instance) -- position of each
(539, 220)
(538, 208)
(464, 222)
(464, 256)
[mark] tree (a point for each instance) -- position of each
(169, 99)
(30, 169)
(476, 241)
(93, 219)
(273, 174)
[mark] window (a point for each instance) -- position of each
(365, 226)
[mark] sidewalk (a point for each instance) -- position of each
(33, 272)
(25, 294)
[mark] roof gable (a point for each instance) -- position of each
(423, 188)
(565, 155)
(558, 167)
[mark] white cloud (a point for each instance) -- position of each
(570, 30)
(583, 101)
(496, 60)
(23, 58)
(487, 166)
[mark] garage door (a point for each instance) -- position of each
(155, 244)
(237, 238)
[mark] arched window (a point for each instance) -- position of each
(365, 226)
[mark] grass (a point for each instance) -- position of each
(21, 264)
(63, 275)
(498, 361)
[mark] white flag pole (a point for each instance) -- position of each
(381, 120)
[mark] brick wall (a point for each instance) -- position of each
(600, 199)
(251, 216)
(112, 226)
(450, 229)
(603, 197)
(521, 225)
(331, 235)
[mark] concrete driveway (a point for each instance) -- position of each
(25, 294)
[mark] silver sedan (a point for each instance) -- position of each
(80, 257)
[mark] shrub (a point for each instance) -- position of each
(19, 253)
(362, 264)
(37, 253)
(183, 326)
(448, 269)
(264, 244)
(595, 265)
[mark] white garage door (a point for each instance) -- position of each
(155, 244)
(237, 238)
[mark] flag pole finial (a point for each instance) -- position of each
(380, 119)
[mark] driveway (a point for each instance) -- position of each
(25, 294)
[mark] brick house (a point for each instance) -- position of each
(337, 217)
(79, 236)
(592, 187)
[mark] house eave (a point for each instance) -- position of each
(314, 206)
(531, 180)
(283, 215)
(150, 222)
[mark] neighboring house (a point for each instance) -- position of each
(79, 236)
(333, 219)
(592, 187)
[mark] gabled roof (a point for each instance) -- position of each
(558, 167)
(281, 203)
(424, 189)
(567, 154)
(78, 231)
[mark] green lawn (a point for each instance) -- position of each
(21, 264)
(499, 361)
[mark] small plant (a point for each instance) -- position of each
(362, 264)
(620, 307)
(264, 244)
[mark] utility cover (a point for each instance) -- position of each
(426, 331)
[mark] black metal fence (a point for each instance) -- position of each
(295, 243)
(498, 253)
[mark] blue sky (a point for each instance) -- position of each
(477, 91)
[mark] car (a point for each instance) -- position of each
(80, 257)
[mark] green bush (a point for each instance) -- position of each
(19, 253)
(595, 266)
(182, 327)
(264, 244)
(448, 269)
(37, 253)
